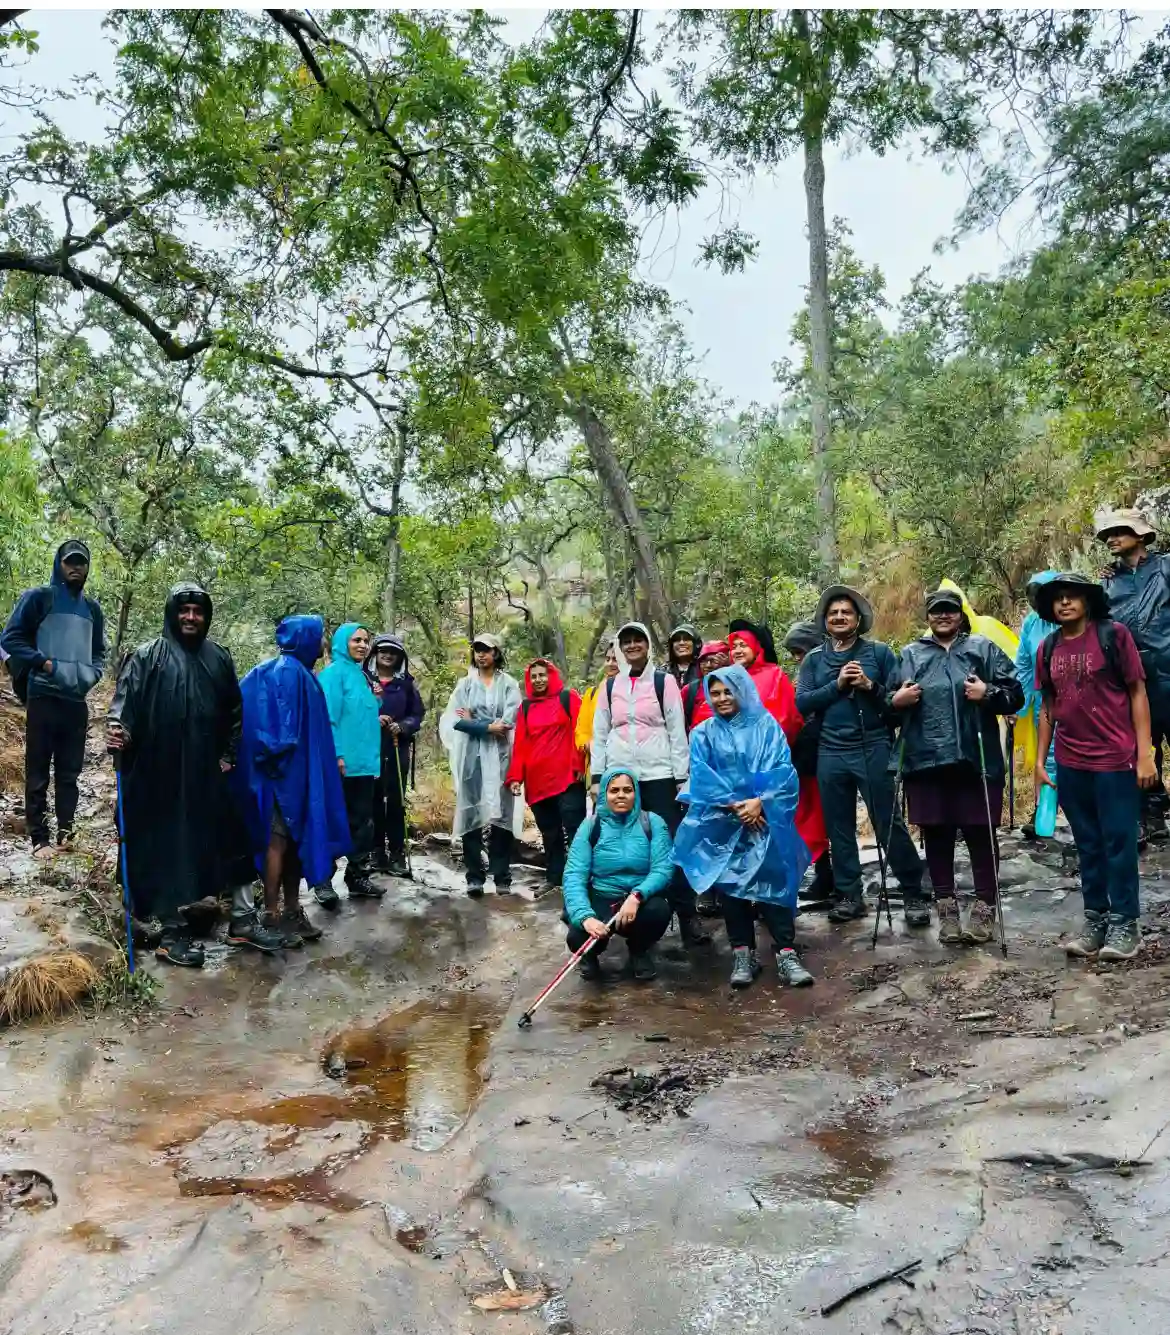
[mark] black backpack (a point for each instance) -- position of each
(595, 828)
(659, 690)
(1106, 638)
(690, 701)
(565, 695)
(20, 674)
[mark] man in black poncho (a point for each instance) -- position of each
(175, 721)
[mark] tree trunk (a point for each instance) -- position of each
(126, 601)
(393, 547)
(470, 612)
(820, 355)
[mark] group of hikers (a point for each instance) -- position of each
(716, 782)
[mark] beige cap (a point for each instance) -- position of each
(488, 641)
(1133, 520)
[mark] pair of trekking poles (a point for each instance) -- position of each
(884, 891)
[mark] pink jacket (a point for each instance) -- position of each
(648, 740)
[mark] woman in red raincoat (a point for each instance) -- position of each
(752, 647)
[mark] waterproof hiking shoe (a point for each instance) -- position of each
(250, 931)
(692, 932)
(745, 968)
(590, 966)
(396, 866)
(298, 921)
(475, 889)
(917, 913)
(1089, 940)
(792, 972)
(1122, 942)
(950, 929)
(326, 896)
(503, 885)
(980, 927)
(707, 905)
(643, 966)
(846, 908)
(177, 948)
(289, 939)
(361, 887)
(380, 861)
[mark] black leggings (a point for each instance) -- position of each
(389, 811)
(739, 916)
(648, 927)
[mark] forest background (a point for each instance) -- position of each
(365, 313)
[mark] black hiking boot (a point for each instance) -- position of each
(249, 931)
(380, 861)
(917, 912)
(360, 886)
(692, 931)
(475, 889)
(397, 866)
(176, 947)
(707, 905)
(847, 908)
(503, 885)
(326, 896)
(590, 966)
(289, 939)
(298, 921)
(792, 972)
(745, 968)
(642, 963)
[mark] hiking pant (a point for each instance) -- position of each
(938, 843)
(359, 810)
(739, 917)
(660, 796)
(55, 730)
(1102, 809)
(648, 927)
(844, 775)
(499, 861)
(389, 808)
(557, 818)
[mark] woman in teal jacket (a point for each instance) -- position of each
(353, 716)
(620, 862)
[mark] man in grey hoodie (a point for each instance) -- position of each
(55, 640)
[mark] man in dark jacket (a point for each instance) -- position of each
(400, 714)
(1137, 586)
(174, 728)
(55, 639)
(844, 683)
(683, 654)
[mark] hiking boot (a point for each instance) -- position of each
(1122, 942)
(707, 904)
(397, 866)
(745, 968)
(298, 921)
(475, 889)
(792, 972)
(503, 885)
(249, 931)
(361, 887)
(822, 886)
(980, 927)
(642, 963)
(917, 912)
(692, 932)
(290, 939)
(176, 947)
(380, 861)
(590, 966)
(950, 929)
(326, 896)
(846, 908)
(1153, 829)
(1088, 942)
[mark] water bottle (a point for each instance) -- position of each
(1046, 808)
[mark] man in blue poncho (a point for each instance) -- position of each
(739, 836)
(288, 780)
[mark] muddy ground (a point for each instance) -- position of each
(662, 1159)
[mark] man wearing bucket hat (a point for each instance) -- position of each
(846, 683)
(1092, 682)
(1137, 586)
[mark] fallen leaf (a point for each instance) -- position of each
(506, 1301)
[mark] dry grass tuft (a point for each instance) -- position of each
(11, 748)
(46, 985)
(432, 804)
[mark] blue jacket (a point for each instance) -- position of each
(624, 859)
(67, 628)
(353, 709)
(817, 694)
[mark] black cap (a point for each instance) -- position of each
(943, 598)
(74, 547)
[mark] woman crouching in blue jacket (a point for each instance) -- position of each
(620, 862)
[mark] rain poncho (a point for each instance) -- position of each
(1032, 634)
(180, 707)
(353, 708)
(732, 760)
(287, 753)
(545, 758)
(479, 761)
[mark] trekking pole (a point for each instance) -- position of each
(994, 845)
(117, 762)
(567, 968)
(402, 804)
(893, 815)
(884, 891)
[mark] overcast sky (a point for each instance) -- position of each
(898, 208)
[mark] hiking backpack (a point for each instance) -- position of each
(595, 828)
(565, 695)
(659, 691)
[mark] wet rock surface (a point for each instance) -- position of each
(358, 1137)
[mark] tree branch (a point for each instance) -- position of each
(606, 92)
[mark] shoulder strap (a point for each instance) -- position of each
(566, 701)
(644, 821)
(1046, 648)
(1107, 639)
(690, 701)
(609, 692)
(594, 831)
(660, 689)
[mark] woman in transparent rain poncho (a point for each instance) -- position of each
(739, 836)
(477, 729)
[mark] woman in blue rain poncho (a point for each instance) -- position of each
(739, 836)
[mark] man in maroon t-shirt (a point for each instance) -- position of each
(1093, 685)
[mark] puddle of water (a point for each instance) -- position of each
(857, 1165)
